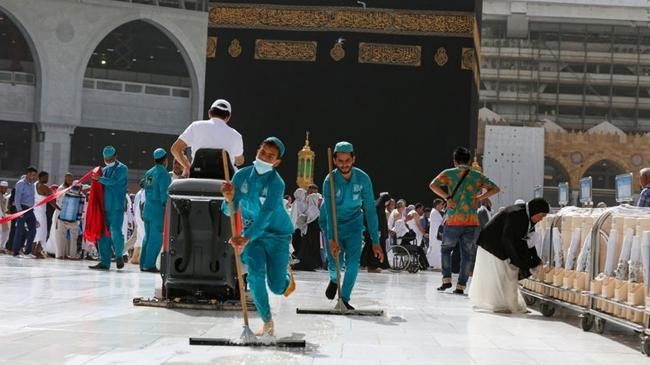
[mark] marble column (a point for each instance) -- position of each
(53, 146)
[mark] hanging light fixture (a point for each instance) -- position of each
(305, 165)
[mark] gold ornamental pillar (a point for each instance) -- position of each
(475, 165)
(305, 165)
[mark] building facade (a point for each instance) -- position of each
(575, 61)
(76, 74)
(573, 65)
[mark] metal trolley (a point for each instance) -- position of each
(549, 295)
(591, 317)
(596, 318)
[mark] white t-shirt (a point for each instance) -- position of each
(213, 133)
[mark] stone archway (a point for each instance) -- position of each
(20, 94)
(578, 151)
(31, 44)
(603, 173)
(192, 59)
(554, 172)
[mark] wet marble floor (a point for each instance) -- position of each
(59, 312)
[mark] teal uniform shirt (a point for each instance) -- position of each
(115, 180)
(260, 198)
(351, 196)
(268, 227)
(156, 184)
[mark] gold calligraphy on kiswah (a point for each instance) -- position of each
(390, 54)
(281, 50)
(458, 24)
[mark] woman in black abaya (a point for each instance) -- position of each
(367, 258)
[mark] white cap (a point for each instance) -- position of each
(222, 104)
(4, 184)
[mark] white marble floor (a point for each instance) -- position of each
(59, 312)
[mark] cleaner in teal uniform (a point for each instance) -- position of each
(156, 184)
(114, 179)
(354, 198)
(258, 190)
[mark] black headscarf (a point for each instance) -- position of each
(538, 205)
(380, 205)
(381, 201)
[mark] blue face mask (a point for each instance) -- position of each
(262, 167)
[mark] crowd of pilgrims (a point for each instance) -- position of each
(60, 223)
(399, 223)
(59, 231)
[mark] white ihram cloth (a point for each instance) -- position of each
(41, 216)
(434, 255)
(137, 216)
(494, 285)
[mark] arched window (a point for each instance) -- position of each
(139, 52)
(15, 54)
(16, 68)
(554, 172)
(137, 60)
(604, 174)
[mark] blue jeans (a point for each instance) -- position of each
(465, 238)
(30, 219)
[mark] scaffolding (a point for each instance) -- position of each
(578, 74)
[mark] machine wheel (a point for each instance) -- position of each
(586, 322)
(599, 325)
(645, 346)
(547, 309)
(401, 258)
(530, 300)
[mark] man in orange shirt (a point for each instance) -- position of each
(464, 187)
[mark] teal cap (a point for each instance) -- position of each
(278, 143)
(159, 153)
(109, 151)
(344, 147)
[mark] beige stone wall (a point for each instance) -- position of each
(577, 151)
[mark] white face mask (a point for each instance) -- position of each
(111, 164)
(262, 167)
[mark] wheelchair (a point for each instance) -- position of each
(405, 255)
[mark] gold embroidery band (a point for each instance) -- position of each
(211, 51)
(274, 50)
(302, 18)
(390, 54)
(468, 62)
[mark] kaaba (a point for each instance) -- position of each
(398, 79)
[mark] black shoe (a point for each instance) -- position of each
(119, 262)
(347, 305)
(444, 287)
(459, 291)
(152, 269)
(330, 292)
(125, 258)
(99, 266)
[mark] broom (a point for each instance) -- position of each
(247, 337)
(340, 308)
